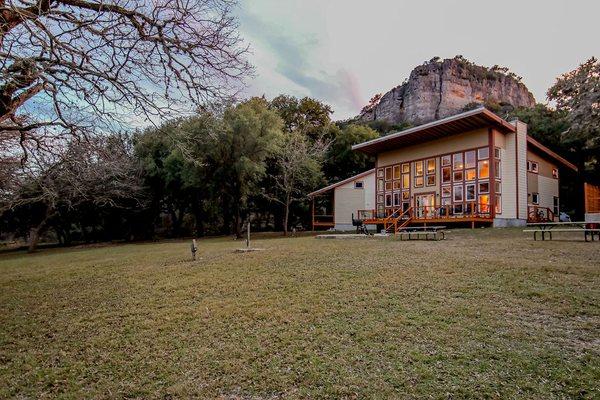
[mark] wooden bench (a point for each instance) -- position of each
(586, 232)
(426, 232)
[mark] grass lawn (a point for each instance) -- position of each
(486, 314)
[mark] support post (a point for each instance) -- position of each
(313, 214)
(194, 249)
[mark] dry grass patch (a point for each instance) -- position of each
(486, 313)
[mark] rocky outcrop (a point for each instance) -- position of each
(440, 88)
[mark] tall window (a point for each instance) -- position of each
(405, 181)
(431, 166)
(388, 173)
(419, 174)
(419, 168)
(470, 159)
(446, 160)
(484, 169)
(457, 159)
(446, 175)
(430, 172)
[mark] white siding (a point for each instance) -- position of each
(509, 181)
(522, 168)
(514, 173)
(348, 200)
(548, 189)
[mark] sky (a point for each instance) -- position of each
(344, 52)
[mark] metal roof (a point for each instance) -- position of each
(463, 122)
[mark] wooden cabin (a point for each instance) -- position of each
(472, 168)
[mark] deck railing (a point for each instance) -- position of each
(460, 210)
(323, 220)
(540, 214)
(455, 211)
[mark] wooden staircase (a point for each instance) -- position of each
(397, 219)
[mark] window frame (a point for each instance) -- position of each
(357, 183)
(462, 193)
(474, 163)
(530, 167)
(449, 169)
(485, 156)
(395, 169)
(479, 191)
(474, 186)
(429, 178)
(458, 166)
(474, 170)
(388, 196)
(462, 176)
(417, 164)
(446, 160)
(447, 191)
(479, 169)
(419, 181)
(388, 169)
(430, 172)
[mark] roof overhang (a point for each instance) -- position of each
(334, 185)
(536, 146)
(464, 122)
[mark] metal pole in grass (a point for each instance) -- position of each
(194, 249)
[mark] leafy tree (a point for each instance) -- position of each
(173, 158)
(546, 125)
(341, 161)
(577, 93)
(307, 115)
(306, 124)
(252, 132)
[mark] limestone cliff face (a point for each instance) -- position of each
(438, 89)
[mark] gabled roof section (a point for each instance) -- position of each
(334, 185)
(463, 122)
(535, 145)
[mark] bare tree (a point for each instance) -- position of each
(298, 167)
(91, 63)
(100, 172)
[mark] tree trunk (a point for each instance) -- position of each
(286, 215)
(34, 239)
(237, 228)
(36, 231)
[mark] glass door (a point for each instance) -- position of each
(424, 205)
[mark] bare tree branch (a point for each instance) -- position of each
(90, 64)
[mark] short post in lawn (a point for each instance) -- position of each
(194, 249)
(248, 234)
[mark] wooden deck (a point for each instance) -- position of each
(438, 220)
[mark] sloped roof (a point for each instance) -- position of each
(334, 185)
(535, 145)
(463, 122)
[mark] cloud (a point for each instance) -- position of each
(294, 58)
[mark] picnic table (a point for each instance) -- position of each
(547, 228)
(419, 231)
